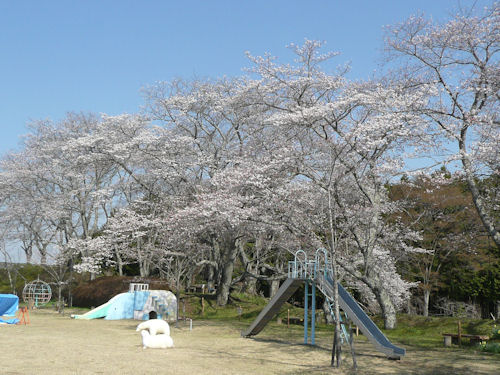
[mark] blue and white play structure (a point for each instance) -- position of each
(138, 303)
(9, 304)
(317, 274)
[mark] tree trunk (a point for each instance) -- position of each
(327, 312)
(225, 283)
(387, 307)
(275, 285)
(383, 298)
(43, 257)
(12, 286)
(144, 267)
(479, 203)
(178, 292)
(251, 266)
(142, 259)
(29, 254)
(409, 309)
(210, 277)
(427, 294)
(250, 285)
(229, 251)
(119, 262)
(336, 347)
(60, 304)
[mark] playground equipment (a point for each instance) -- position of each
(317, 274)
(9, 304)
(138, 303)
(37, 293)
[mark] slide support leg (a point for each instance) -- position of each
(306, 308)
(313, 313)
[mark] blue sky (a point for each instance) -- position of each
(60, 56)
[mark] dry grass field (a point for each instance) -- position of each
(55, 344)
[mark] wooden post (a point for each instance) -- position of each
(351, 344)
(202, 305)
(239, 311)
(288, 319)
(447, 341)
(61, 306)
(459, 338)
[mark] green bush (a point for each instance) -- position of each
(491, 347)
(495, 333)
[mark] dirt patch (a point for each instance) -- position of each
(55, 344)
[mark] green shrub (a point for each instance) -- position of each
(495, 332)
(491, 347)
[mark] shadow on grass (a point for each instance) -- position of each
(288, 344)
(296, 349)
(442, 370)
(475, 328)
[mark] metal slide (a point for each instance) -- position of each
(359, 317)
(318, 271)
(273, 307)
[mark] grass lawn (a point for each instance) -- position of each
(55, 344)
(417, 331)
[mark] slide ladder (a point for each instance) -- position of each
(344, 335)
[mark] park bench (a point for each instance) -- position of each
(297, 321)
(199, 288)
(450, 338)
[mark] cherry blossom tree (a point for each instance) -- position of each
(153, 166)
(214, 115)
(68, 192)
(460, 59)
(28, 226)
(239, 201)
(349, 135)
